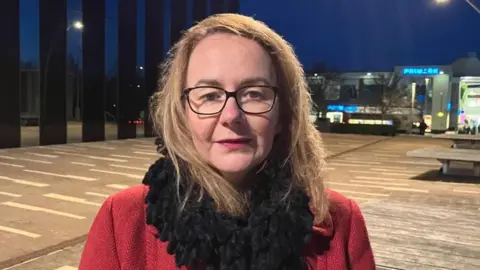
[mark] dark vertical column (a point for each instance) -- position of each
(127, 69)
(217, 6)
(154, 29)
(9, 74)
(199, 10)
(53, 41)
(178, 23)
(233, 6)
(93, 98)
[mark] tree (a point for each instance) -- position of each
(393, 93)
(322, 79)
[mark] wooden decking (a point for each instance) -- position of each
(409, 235)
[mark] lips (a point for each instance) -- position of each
(235, 141)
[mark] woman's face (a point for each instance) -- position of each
(231, 140)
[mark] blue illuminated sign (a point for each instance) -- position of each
(421, 71)
(342, 108)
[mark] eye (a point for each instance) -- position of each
(206, 94)
(210, 96)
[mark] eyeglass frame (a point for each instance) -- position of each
(229, 94)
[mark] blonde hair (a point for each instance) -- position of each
(305, 151)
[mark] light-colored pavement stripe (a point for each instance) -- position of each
(27, 159)
(386, 155)
(346, 161)
(70, 199)
(361, 193)
(152, 149)
(355, 185)
(134, 176)
(97, 194)
(117, 186)
(419, 171)
(19, 232)
(378, 178)
(146, 153)
(83, 164)
(132, 157)
(147, 142)
(384, 173)
(41, 209)
(11, 165)
(91, 157)
(146, 146)
(380, 183)
(385, 166)
(67, 267)
(397, 161)
(14, 195)
(143, 169)
(64, 148)
(76, 177)
(24, 182)
(407, 189)
(42, 155)
(99, 147)
(389, 188)
(72, 147)
(467, 191)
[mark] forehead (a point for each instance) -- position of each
(229, 59)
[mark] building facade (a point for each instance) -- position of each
(446, 96)
(48, 97)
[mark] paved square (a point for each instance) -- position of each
(49, 196)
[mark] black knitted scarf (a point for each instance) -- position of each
(271, 236)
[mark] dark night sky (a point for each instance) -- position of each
(351, 35)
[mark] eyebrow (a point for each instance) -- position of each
(243, 82)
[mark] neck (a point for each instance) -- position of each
(242, 182)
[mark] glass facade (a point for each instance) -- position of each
(83, 70)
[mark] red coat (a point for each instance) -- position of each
(120, 238)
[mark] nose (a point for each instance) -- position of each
(231, 113)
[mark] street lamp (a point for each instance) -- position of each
(77, 25)
(469, 2)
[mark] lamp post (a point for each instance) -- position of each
(469, 2)
(78, 25)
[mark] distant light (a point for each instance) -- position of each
(441, 72)
(78, 25)
(369, 74)
(442, 2)
(138, 86)
(440, 114)
(315, 74)
(140, 67)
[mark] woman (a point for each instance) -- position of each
(240, 183)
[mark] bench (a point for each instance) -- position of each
(462, 141)
(447, 155)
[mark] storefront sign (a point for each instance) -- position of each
(421, 71)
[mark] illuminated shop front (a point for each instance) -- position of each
(447, 97)
(430, 90)
(469, 103)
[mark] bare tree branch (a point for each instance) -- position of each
(393, 93)
(321, 79)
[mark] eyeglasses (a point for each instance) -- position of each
(209, 100)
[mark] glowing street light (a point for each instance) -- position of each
(78, 25)
(469, 2)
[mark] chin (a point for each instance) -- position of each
(234, 164)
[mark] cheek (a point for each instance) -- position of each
(265, 129)
(201, 129)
